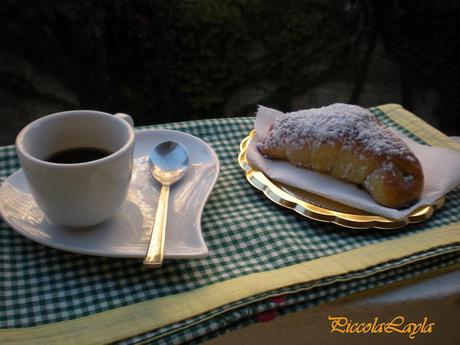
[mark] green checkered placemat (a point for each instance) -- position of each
(245, 232)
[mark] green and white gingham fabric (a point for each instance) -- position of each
(245, 232)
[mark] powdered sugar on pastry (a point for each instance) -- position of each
(349, 124)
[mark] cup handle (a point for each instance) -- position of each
(126, 117)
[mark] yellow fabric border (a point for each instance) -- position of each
(417, 126)
(128, 321)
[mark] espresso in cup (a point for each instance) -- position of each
(78, 155)
(78, 164)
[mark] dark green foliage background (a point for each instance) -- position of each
(181, 60)
(424, 37)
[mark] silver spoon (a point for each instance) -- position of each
(168, 162)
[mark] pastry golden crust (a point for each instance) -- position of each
(349, 143)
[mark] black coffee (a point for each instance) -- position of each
(78, 155)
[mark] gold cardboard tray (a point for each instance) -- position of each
(319, 208)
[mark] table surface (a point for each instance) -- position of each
(364, 260)
(435, 295)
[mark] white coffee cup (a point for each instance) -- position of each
(78, 194)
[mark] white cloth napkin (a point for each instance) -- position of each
(441, 168)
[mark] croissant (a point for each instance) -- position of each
(349, 143)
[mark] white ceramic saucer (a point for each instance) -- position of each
(128, 232)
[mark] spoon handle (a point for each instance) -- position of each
(154, 256)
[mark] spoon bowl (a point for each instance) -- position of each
(168, 162)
